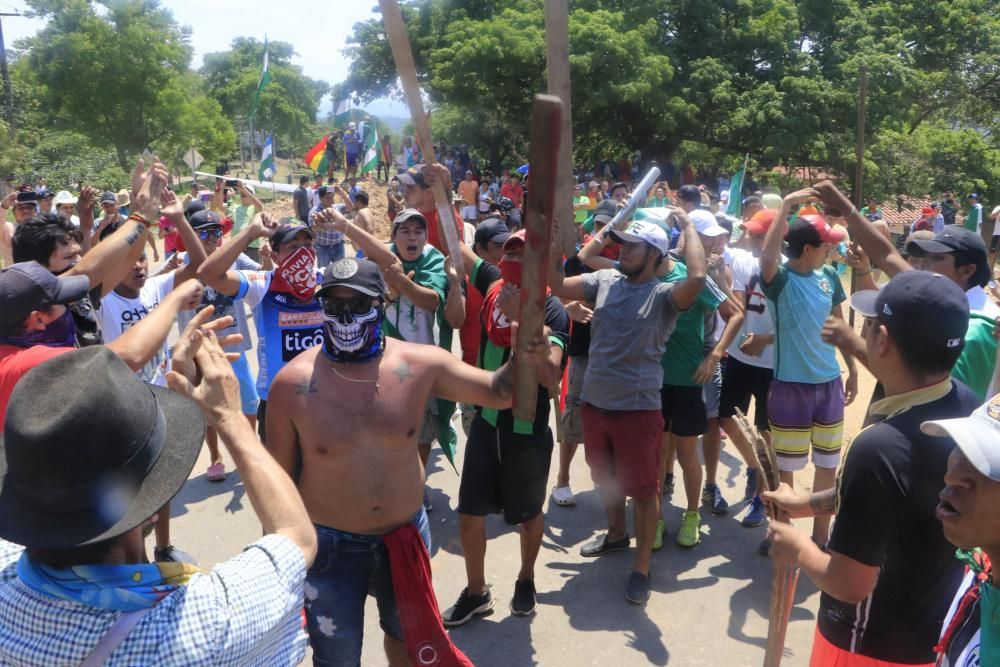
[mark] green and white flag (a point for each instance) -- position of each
(735, 207)
(265, 76)
(266, 172)
(370, 160)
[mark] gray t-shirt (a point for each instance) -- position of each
(628, 335)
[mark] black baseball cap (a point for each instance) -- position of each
(414, 176)
(403, 216)
(193, 207)
(29, 286)
(956, 239)
(109, 198)
(491, 229)
(362, 275)
(203, 218)
(605, 211)
(919, 307)
(286, 231)
(27, 197)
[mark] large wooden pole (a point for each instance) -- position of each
(557, 71)
(859, 167)
(546, 120)
(402, 53)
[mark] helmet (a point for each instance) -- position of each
(503, 204)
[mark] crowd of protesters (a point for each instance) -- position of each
(657, 330)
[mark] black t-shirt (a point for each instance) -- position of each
(491, 356)
(579, 333)
(887, 491)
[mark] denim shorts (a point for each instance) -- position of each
(348, 568)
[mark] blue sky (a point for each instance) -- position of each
(318, 32)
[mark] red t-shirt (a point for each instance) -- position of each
(515, 193)
(15, 362)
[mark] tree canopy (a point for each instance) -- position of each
(777, 79)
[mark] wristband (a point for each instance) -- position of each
(138, 218)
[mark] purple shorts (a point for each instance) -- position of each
(803, 417)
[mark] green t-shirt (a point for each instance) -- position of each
(686, 346)
(581, 215)
(242, 216)
(975, 365)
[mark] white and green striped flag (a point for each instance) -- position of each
(265, 76)
(266, 172)
(370, 160)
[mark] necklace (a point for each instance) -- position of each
(350, 379)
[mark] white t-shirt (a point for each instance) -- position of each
(746, 278)
(117, 314)
(980, 302)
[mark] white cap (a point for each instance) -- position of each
(63, 197)
(724, 196)
(978, 436)
(644, 232)
(351, 126)
(706, 224)
(249, 188)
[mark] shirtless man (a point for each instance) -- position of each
(346, 415)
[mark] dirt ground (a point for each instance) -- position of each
(378, 202)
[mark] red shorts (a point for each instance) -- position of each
(624, 447)
(825, 654)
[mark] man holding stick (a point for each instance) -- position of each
(634, 315)
(889, 575)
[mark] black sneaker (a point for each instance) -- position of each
(172, 555)
(637, 591)
(427, 502)
(765, 547)
(467, 606)
(523, 602)
(668, 486)
(601, 545)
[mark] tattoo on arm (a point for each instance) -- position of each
(135, 234)
(306, 386)
(503, 380)
(823, 502)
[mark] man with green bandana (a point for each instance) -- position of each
(423, 289)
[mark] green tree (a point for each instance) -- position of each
(121, 78)
(290, 101)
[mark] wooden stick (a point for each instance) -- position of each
(402, 53)
(546, 119)
(557, 74)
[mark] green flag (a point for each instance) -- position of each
(267, 170)
(369, 161)
(735, 207)
(265, 76)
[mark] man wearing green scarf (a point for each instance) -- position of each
(423, 290)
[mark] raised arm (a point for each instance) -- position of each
(880, 250)
(686, 292)
(590, 254)
(258, 205)
(171, 207)
(108, 262)
(213, 386)
(215, 272)
(454, 307)
(85, 211)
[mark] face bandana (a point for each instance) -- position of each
(349, 338)
(297, 275)
(60, 333)
(511, 271)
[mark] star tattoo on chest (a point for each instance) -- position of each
(403, 372)
(306, 386)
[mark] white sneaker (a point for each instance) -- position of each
(563, 496)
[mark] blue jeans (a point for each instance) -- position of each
(348, 568)
(328, 253)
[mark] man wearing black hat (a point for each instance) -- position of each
(424, 290)
(956, 253)
(889, 575)
(348, 410)
(81, 475)
(208, 227)
(290, 318)
(25, 205)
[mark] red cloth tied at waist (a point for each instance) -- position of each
(427, 643)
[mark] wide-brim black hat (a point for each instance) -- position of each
(82, 413)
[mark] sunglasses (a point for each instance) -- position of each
(206, 234)
(358, 305)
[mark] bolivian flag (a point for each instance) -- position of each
(316, 157)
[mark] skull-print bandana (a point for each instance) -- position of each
(349, 338)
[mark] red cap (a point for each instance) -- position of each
(517, 238)
(827, 234)
(760, 222)
(927, 212)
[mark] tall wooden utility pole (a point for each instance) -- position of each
(859, 168)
